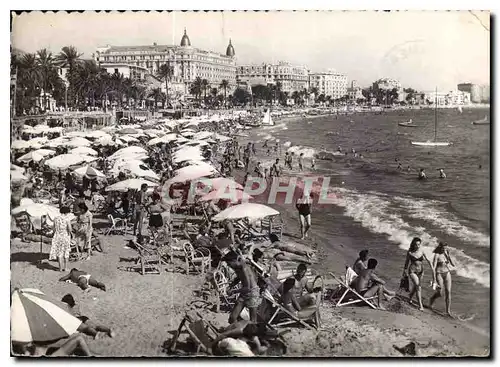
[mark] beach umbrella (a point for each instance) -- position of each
(187, 134)
(89, 172)
(233, 196)
(96, 134)
(20, 144)
(128, 130)
(109, 129)
(17, 176)
(57, 142)
(245, 210)
(202, 135)
(36, 155)
(154, 132)
(192, 172)
(36, 318)
(75, 134)
(36, 210)
(13, 167)
(223, 182)
(64, 161)
(78, 142)
(222, 137)
(129, 139)
(83, 150)
(132, 183)
(135, 168)
(128, 150)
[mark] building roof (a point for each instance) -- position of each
(185, 39)
(159, 48)
(114, 64)
(230, 49)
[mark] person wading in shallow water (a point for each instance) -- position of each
(304, 206)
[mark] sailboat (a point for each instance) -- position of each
(434, 143)
(267, 120)
(408, 124)
(484, 121)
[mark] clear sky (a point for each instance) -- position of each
(423, 50)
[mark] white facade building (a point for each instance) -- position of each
(329, 83)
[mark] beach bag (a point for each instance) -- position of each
(404, 284)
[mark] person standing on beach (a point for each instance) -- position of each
(313, 163)
(301, 157)
(275, 169)
(442, 273)
(61, 241)
(253, 148)
(304, 206)
(415, 271)
(140, 208)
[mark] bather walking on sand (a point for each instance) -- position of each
(304, 206)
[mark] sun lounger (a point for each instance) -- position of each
(281, 316)
(346, 295)
(225, 295)
(202, 332)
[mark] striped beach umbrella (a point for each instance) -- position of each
(35, 318)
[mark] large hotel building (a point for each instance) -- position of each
(291, 77)
(187, 62)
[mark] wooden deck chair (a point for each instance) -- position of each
(116, 225)
(225, 296)
(197, 260)
(149, 260)
(200, 330)
(272, 224)
(346, 295)
(248, 232)
(282, 317)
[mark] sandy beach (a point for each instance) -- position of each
(144, 311)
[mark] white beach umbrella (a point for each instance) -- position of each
(221, 137)
(17, 176)
(20, 144)
(57, 142)
(127, 150)
(76, 134)
(37, 210)
(218, 183)
(13, 167)
(129, 130)
(89, 172)
(193, 172)
(202, 135)
(129, 139)
(246, 210)
(231, 195)
(83, 150)
(187, 134)
(36, 155)
(78, 142)
(96, 134)
(132, 183)
(135, 168)
(64, 161)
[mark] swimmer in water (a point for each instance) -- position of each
(408, 169)
(422, 175)
(441, 173)
(399, 167)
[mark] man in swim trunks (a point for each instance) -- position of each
(250, 291)
(368, 284)
(82, 279)
(304, 206)
(301, 158)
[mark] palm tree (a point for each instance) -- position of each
(165, 73)
(28, 80)
(204, 85)
(46, 63)
(157, 95)
(224, 84)
(69, 57)
(196, 88)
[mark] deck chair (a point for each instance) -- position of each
(272, 224)
(225, 296)
(248, 232)
(116, 225)
(202, 332)
(282, 317)
(346, 295)
(196, 260)
(149, 260)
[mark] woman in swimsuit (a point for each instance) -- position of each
(414, 257)
(443, 275)
(304, 206)
(155, 208)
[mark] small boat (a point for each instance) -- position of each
(408, 124)
(433, 143)
(267, 120)
(484, 121)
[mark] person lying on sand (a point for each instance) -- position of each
(368, 284)
(250, 292)
(64, 347)
(244, 331)
(282, 251)
(87, 327)
(82, 279)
